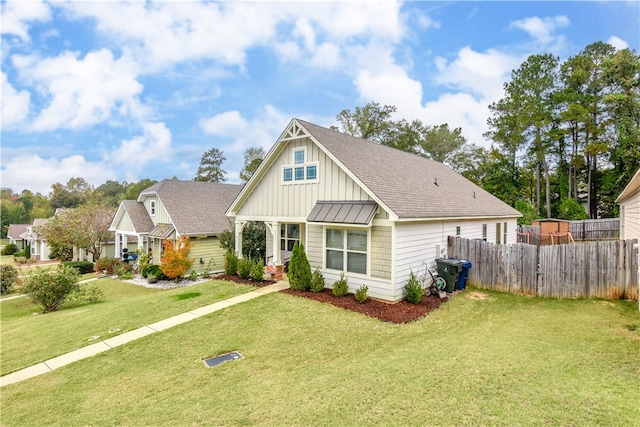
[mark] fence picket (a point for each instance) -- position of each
(605, 269)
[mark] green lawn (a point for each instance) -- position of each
(28, 337)
(501, 360)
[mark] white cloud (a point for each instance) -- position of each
(43, 172)
(15, 105)
(80, 92)
(154, 145)
(481, 73)
(542, 29)
(618, 43)
(17, 14)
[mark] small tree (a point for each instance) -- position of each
(175, 261)
(8, 278)
(48, 289)
(299, 269)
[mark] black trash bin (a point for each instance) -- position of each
(449, 270)
(464, 275)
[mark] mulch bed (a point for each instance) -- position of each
(399, 312)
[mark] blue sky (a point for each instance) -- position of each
(131, 90)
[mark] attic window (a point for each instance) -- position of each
(301, 171)
(152, 208)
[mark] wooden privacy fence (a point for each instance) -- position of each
(583, 270)
(595, 229)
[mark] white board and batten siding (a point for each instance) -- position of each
(273, 199)
(125, 225)
(161, 215)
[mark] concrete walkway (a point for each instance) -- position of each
(118, 340)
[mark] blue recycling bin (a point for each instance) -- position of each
(464, 275)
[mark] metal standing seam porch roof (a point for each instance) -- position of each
(161, 231)
(351, 212)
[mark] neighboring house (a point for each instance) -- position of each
(39, 247)
(14, 233)
(170, 209)
(629, 201)
(107, 250)
(369, 211)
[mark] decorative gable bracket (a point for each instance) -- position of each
(295, 131)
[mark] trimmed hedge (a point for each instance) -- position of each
(83, 267)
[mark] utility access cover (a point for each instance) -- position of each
(215, 361)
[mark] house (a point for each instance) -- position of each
(629, 201)
(368, 211)
(14, 233)
(39, 248)
(173, 208)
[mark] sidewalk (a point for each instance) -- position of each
(118, 340)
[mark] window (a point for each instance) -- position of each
(289, 235)
(347, 250)
(458, 231)
(497, 232)
(301, 170)
(153, 207)
(504, 233)
(312, 172)
(484, 232)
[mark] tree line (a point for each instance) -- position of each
(565, 134)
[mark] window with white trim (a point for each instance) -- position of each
(289, 235)
(301, 170)
(152, 207)
(346, 250)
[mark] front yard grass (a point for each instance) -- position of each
(29, 337)
(484, 358)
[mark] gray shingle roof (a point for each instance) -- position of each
(406, 183)
(139, 216)
(195, 207)
(15, 230)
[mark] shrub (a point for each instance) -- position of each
(83, 267)
(413, 289)
(85, 294)
(143, 262)
(230, 263)
(107, 264)
(244, 268)
(154, 270)
(317, 281)
(361, 294)
(340, 287)
(8, 278)
(299, 269)
(175, 261)
(257, 271)
(124, 271)
(49, 289)
(10, 249)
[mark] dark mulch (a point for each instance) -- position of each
(400, 312)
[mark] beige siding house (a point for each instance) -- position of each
(369, 211)
(15, 235)
(629, 201)
(170, 209)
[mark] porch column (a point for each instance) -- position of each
(117, 248)
(141, 243)
(124, 241)
(274, 229)
(239, 227)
